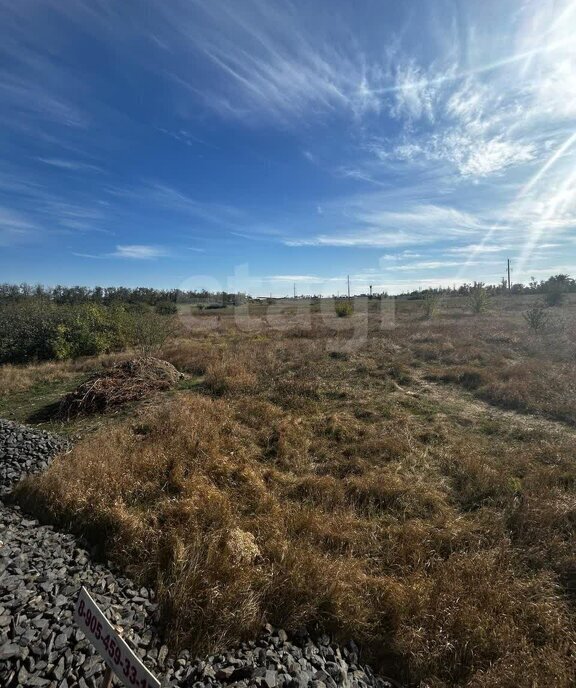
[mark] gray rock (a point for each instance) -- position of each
(9, 651)
(225, 673)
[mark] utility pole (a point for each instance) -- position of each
(509, 283)
(348, 286)
(294, 289)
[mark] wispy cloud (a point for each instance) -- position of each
(374, 224)
(129, 251)
(33, 85)
(436, 265)
(14, 226)
(469, 120)
(186, 137)
(310, 279)
(425, 265)
(165, 197)
(477, 248)
(139, 252)
(54, 207)
(29, 99)
(70, 165)
(413, 94)
(268, 62)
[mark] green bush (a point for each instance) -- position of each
(554, 296)
(89, 330)
(26, 330)
(148, 332)
(36, 331)
(344, 309)
(166, 308)
(136, 308)
(537, 318)
(431, 304)
(478, 299)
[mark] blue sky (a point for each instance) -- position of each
(253, 144)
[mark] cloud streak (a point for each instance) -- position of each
(70, 165)
(375, 225)
(136, 252)
(139, 252)
(15, 227)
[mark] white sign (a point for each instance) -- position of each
(115, 652)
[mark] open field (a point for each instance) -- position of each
(404, 481)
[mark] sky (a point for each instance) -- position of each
(267, 145)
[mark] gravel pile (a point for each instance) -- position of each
(24, 450)
(41, 572)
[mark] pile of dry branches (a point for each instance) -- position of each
(126, 381)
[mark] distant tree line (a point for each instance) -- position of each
(107, 296)
(161, 298)
(557, 284)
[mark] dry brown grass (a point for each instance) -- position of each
(191, 355)
(15, 378)
(530, 386)
(500, 361)
(332, 492)
(229, 377)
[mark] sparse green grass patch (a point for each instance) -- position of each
(33, 405)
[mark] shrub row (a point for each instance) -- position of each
(37, 331)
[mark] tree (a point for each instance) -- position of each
(555, 288)
(478, 298)
(151, 330)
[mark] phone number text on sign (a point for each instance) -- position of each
(112, 648)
